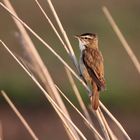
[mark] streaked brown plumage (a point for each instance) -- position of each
(91, 65)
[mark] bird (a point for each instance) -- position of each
(91, 65)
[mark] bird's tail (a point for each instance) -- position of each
(95, 97)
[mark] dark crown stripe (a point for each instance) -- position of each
(90, 34)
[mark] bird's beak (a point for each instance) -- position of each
(77, 36)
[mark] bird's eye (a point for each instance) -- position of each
(86, 38)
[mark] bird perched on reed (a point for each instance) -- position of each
(91, 65)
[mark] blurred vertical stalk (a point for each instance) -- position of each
(122, 39)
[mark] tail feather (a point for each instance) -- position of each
(95, 97)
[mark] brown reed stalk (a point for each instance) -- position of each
(19, 115)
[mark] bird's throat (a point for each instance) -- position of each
(81, 46)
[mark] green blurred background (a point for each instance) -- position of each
(122, 96)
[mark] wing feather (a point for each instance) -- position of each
(93, 61)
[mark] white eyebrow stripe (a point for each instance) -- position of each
(90, 37)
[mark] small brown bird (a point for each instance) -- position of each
(91, 65)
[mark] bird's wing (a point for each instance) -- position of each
(93, 61)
